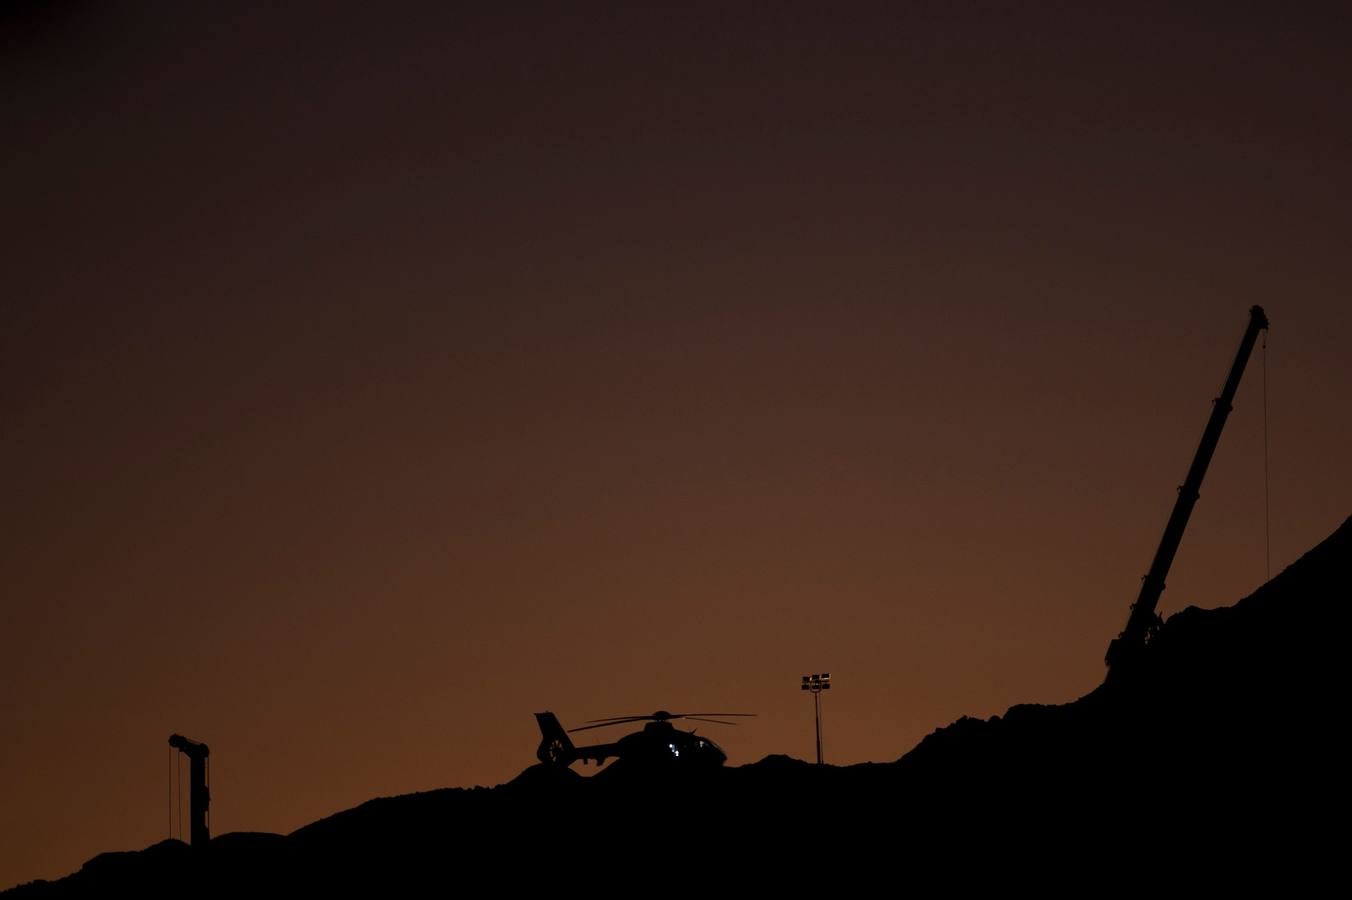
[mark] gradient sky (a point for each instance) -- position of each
(376, 375)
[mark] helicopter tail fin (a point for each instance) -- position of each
(555, 746)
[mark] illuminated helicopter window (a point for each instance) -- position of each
(674, 751)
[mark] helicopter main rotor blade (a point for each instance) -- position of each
(659, 716)
(715, 721)
(598, 725)
(614, 719)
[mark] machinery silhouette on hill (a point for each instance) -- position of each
(658, 744)
(199, 790)
(1125, 650)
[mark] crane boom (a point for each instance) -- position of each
(1126, 648)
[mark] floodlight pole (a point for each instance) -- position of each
(817, 699)
(816, 684)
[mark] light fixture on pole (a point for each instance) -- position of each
(816, 684)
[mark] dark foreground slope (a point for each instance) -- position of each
(1221, 757)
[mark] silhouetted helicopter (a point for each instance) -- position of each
(659, 743)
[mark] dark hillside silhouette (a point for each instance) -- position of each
(1221, 753)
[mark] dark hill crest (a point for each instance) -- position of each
(1227, 740)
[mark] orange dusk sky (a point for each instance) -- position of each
(377, 375)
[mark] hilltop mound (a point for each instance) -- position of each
(1227, 740)
(1236, 702)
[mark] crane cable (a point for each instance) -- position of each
(1267, 486)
